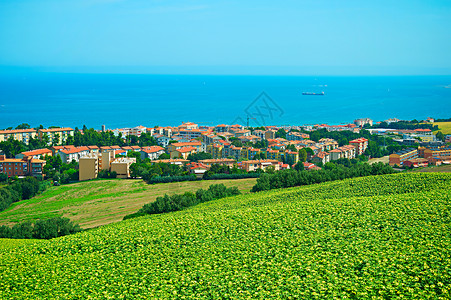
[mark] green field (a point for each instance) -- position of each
(379, 237)
(100, 202)
(444, 127)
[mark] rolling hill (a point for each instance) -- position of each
(100, 202)
(379, 237)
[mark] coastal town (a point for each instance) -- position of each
(249, 149)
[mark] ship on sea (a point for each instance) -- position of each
(313, 94)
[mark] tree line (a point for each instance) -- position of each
(20, 189)
(180, 201)
(331, 172)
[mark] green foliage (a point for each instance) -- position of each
(440, 136)
(107, 174)
(20, 189)
(42, 229)
(23, 126)
(281, 133)
(199, 156)
(290, 178)
(178, 202)
(164, 156)
(12, 147)
(378, 237)
(303, 155)
(167, 179)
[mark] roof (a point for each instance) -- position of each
(56, 129)
(187, 144)
(93, 147)
(152, 149)
(359, 140)
(17, 131)
(36, 152)
(186, 149)
(74, 150)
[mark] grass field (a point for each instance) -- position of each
(100, 202)
(444, 127)
(376, 237)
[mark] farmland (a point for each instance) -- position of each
(444, 127)
(380, 237)
(100, 202)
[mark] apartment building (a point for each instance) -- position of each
(183, 152)
(438, 153)
(347, 151)
(178, 162)
(21, 135)
(27, 166)
(188, 125)
(215, 150)
(90, 165)
(61, 134)
(400, 157)
(190, 133)
(360, 144)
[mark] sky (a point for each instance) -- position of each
(325, 37)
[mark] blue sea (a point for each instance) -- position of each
(125, 100)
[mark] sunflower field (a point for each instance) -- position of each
(379, 237)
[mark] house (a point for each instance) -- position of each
(36, 154)
(197, 169)
(322, 157)
(190, 133)
(27, 166)
(162, 140)
(75, 153)
(152, 152)
(253, 165)
(183, 152)
(221, 161)
(188, 125)
(175, 146)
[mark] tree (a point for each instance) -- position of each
(23, 126)
(440, 136)
(164, 156)
(303, 155)
(55, 139)
(281, 133)
(199, 156)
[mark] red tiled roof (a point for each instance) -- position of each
(56, 129)
(36, 152)
(186, 149)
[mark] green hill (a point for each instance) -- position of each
(100, 202)
(379, 237)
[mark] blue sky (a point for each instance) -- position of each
(228, 37)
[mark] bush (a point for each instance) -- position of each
(167, 179)
(42, 229)
(180, 201)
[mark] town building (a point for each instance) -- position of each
(27, 166)
(253, 165)
(21, 135)
(75, 153)
(400, 157)
(59, 134)
(360, 144)
(363, 122)
(152, 152)
(92, 164)
(36, 154)
(221, 161)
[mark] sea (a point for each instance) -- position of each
(128, 100)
